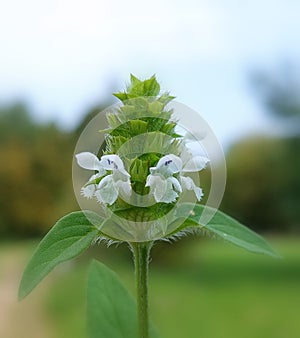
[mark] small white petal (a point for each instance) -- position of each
(120, 176)
(196, 163)
(113, 162)
(168, 165)
(88, 161)
(175, 183)
(158, 186)
(107, 192)
(188, 184)
(150, 181)
(170, 195)
(159, 191)
(198, 192)
(124, 187)
(172, 162)
(88, 191)
(163, 188)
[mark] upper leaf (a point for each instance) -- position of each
(69, 237)
(225, 227)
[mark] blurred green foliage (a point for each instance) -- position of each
(263, 183)
(206, 287)
(35, 172)
(35, 175)
(263, 186)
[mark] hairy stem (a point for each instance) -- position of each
(141, 253)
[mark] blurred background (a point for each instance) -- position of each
(237, 63)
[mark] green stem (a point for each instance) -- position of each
(141, 253)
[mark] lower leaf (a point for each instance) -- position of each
(69, 237)
(111, 311)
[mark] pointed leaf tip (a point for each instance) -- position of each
(69, 237)
(227, 228)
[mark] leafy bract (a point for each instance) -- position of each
(111, 311)
(138, 88)
(219, 224)
(69, 237)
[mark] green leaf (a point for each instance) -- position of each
(114, 143)
(111, 311)
(134, 80)
(122, 96)
(138, 88)
(69, 237)
(137, 127)
(166, 98)
(113, 120)
(149, 142)
(151, 87)
(225, 227)
(156, 107)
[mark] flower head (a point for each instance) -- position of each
(141, 197)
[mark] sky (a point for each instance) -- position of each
(64, 56)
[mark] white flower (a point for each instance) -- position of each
(108, 189)
(164, 186)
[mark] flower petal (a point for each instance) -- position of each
(88, 161)
(124, 187)
(88, 191)
(167, 165)
(198, 192)
(175, 183)
(196, 163)
(188, 184)
(170, 195)
(113, 162)
(162, 188)
(120, 176)
(107, 192)
(158, 186)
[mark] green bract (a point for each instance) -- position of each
(142, 131)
